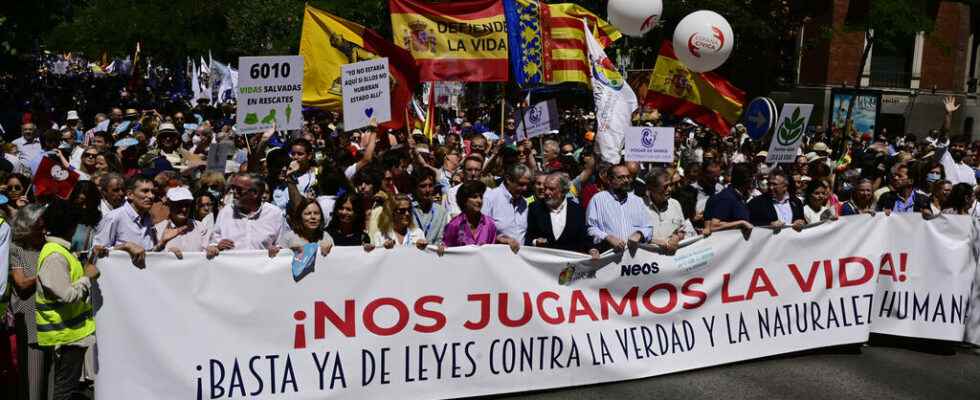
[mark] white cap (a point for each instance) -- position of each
(167, 127)
(72, 116)
(180, 193)
(417, 131)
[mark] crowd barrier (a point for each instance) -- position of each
(408, 324)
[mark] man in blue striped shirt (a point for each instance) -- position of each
(616, 215)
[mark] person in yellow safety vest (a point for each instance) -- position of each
(65, 321)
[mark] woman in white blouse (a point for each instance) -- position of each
(396, 225)
(815, 208)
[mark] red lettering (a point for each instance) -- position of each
(886, 259)
(688, 291)
(484, 299)
(606, 300)
(671, 298)
(322, 311)
(828, 273)
(580, 307)
(373, 306)
(869, 271)
(438, 319)
(725, 296)
(806, 285)
(502, 311)
(544, 315)
(760, 283)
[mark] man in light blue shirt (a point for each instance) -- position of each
(130, 228)
(616, 215)
(507, 206)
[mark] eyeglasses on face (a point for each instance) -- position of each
(403, 210)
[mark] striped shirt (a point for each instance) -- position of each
(608, 216)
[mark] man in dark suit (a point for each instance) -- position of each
(556, 222)
(778, 207)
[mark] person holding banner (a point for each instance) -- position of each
(728, 208)
(471, 227)
(555, 222)
(779, 207)
(305, 226)
(395, 225)
(248, 223)
(508, 207)
(63, 312)
(616, 216)
(903, 198)
(669, 224)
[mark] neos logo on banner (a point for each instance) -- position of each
(789, 134)
(367, 94)
(270, 91)
(648, 144)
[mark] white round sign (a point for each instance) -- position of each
(703, 40)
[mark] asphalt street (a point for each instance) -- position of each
(876, 373)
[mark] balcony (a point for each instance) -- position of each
(891, 79)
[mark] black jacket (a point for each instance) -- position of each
(574, 237)
(887, 201)
(762, 212)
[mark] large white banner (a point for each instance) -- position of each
(408, 324)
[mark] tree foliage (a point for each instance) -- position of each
(170, 30)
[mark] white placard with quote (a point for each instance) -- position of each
(367, 96)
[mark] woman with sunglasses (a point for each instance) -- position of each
(396, 226)
(88, 166)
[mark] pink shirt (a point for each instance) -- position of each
(458, 232)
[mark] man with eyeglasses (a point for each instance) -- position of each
(248, 223)
(617, 215)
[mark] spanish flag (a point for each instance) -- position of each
(547, 41)
(706, 98)
(453, 41)
(328, 42)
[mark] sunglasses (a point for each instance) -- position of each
(403, 211)
(90, 155)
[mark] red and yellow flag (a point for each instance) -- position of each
(706, 98)
(453, 41)
(566, 55)
(328, 42)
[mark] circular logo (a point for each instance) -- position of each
(534, 115)
(648, 138)
(697, 42)
(58, 173)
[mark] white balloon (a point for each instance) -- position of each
(635, 17)
(703, 40)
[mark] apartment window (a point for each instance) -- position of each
(891, 66)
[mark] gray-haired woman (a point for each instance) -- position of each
(27, 231)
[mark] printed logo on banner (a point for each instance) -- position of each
(648, 138)
(571, 274)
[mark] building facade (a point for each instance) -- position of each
(912, 77)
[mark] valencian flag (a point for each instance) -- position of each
(457, 41)
(53, 178)
(706, 98)
(328, 42)
(547, 41)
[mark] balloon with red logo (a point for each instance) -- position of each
(703, 40)
(635, 17)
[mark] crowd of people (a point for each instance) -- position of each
(185, 181)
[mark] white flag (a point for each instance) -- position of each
(614, 101)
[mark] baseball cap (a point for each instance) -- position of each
(167, 127)
(179, 193)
